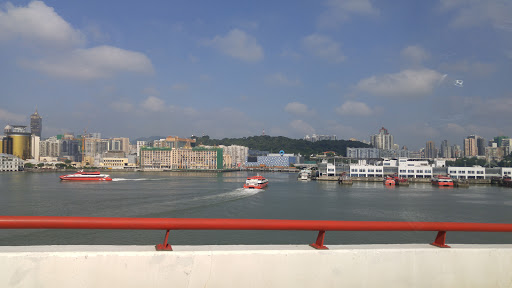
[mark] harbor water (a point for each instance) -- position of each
(220, 195)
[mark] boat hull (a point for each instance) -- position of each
(259, 186)
(70, 178)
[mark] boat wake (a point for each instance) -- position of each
(135, 179)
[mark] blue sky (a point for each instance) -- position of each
(232, 69)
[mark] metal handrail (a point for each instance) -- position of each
(65, 222)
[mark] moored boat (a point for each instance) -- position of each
(389, 181)
(256, 182)
(86, 176)
(442, 181)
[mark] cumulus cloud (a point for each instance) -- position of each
(354, 108)
(405, 83)
(471, 13)
(414, 54)
(302, 127)
(297, 108)
(323, 47)
(281, 79)
(339, 11)
(10, 117)
(153, 103)
(239, 45)
(93, 63)
(38, 22)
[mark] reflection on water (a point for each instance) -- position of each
(219, 195)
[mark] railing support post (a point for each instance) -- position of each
(165, 246)
(319, 244)
(440, 240)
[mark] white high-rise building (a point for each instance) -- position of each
(238, 154)
(383, 140)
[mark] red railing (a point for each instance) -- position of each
(58, 222)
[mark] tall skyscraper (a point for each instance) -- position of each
(474, 145)
(383, 140)
(445, 149)
(430, 150)
(36, 124)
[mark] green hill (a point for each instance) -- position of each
(276, 144)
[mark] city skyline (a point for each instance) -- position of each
(425, 71)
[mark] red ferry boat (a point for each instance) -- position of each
(441, 180)
(86, 176)
(256, 182)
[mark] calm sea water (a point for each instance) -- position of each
(219, 195)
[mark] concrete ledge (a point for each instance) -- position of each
(413, 265)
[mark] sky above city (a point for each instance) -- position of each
(425, 70)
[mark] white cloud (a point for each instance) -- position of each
(281, 79)
(404, 83)
(93, 63)
(471, 13)
(302, 127)
(339, 11)
(38, 22)
(239, 45)
(323, 47)
(354, 108)
(414, 54)
(10, 117)
(38, 25)
(297, 108)
(153, 103)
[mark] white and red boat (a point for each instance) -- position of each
(443, 181)
(86, 176)
(256, 182)
(389, 181)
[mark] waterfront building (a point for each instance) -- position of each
(273, 160)
(374, 153)
(141, 144)
(430, 150)
(10, 163)
(34, 147)
(181, 159)
(17, 141)
(383, 140)
(49, 147)
(494, 153)
(237, 153)
(70, 148)
(36, 124)
(115, 163)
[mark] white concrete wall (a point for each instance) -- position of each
(257, 266)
